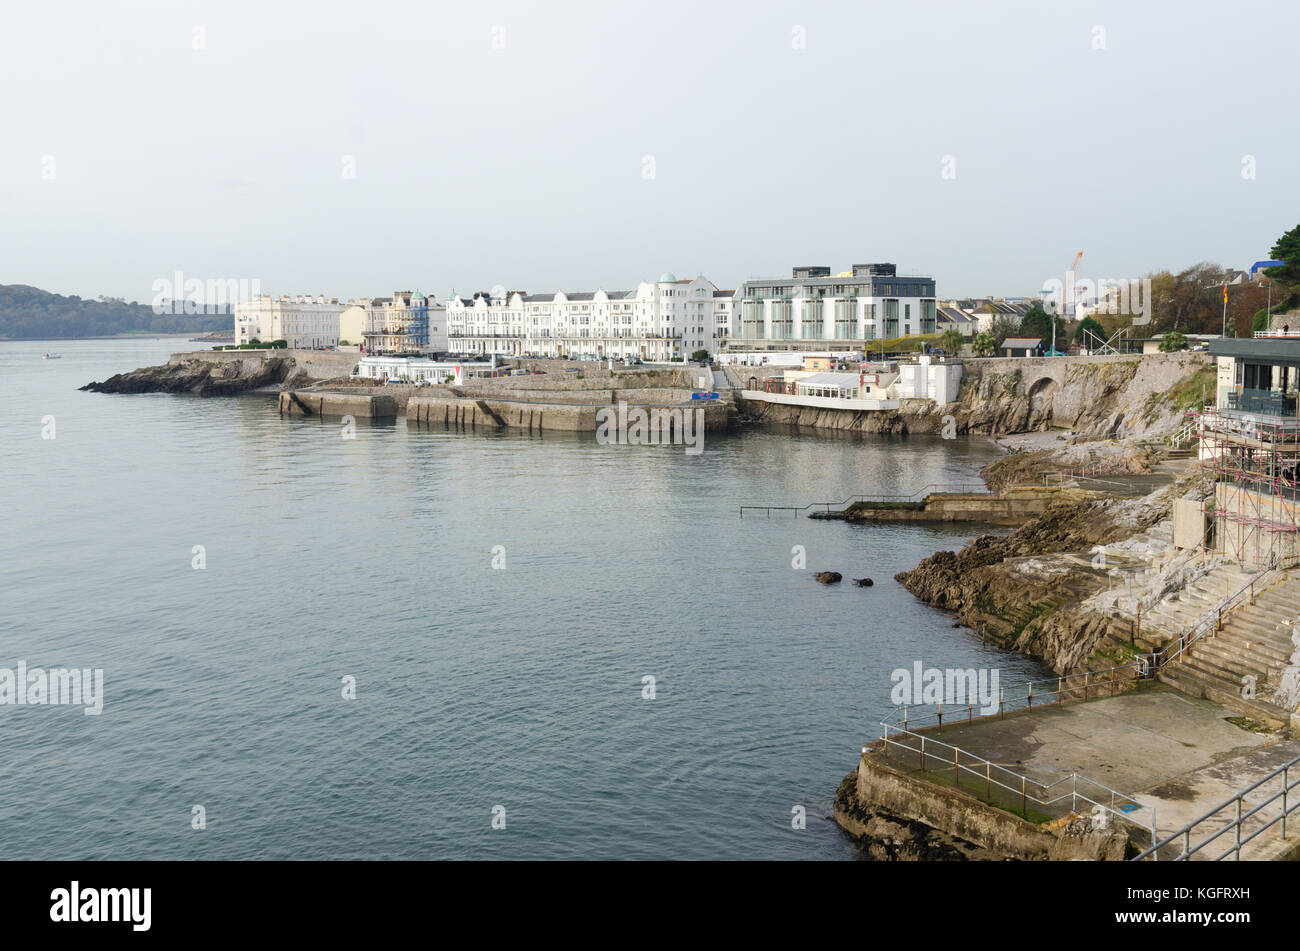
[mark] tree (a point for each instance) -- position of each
(1038, 323)
(1002, 328)
(1172, 341)
(951, 340)
(1286, 248)
(1090, 333)
(984, 344)
(700, 356)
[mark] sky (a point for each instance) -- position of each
(352, 149)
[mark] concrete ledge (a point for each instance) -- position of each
(957, 813)
(299, 403)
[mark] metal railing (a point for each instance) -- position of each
(1085, 685)
(1236, 823)
(1104, 485)
(1049, 797)
(1212, 620)
(920, 493)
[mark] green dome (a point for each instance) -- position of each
(452, 295)
(417, 296)
(667, 277)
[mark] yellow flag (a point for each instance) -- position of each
(1225, 293)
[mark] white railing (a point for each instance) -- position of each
(1183, 436)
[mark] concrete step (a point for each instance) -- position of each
(1256, 631)
(1198, 685)
(1226, 670)
(1230, 651)
(1231, 642)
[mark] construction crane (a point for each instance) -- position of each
(1069, 276)
(1067, 310)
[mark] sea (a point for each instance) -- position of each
(400, 641)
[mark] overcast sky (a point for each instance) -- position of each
(356, 148)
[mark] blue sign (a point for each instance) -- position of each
(704, 396)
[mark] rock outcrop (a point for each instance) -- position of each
(1031, 590)
(200, 377)
(1097, 397)
(227, 372)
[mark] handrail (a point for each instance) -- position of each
(1235, 825)
(1198, 630)
(1063, 692)
(1140, 669)
(1042, 794)
(1183, 435)
(1082, 476)
(923, 491)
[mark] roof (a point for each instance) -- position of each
(844, 380)
(1274, 350)
(1021, 343)
(955, 316)
(730, 293)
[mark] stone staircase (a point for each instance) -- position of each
(1255, 641)
(1175, 615)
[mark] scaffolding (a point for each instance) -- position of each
(1255, 460)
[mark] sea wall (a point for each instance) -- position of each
(1012, 507)
(537, 414)
(877, 787)
(1116, 396)
(325, 403)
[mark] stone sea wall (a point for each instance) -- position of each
(1121, 397)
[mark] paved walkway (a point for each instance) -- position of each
(1169, 751)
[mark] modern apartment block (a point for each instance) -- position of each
(301, 321)
(407, 322)
(815, 309)
(658, 320)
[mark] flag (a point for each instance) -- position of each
(1225, 293)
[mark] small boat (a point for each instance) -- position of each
(53, 356)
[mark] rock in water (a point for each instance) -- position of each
(863, 582)
(828, 577)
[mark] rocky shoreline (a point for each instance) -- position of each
(1115, 397)
(229, 372)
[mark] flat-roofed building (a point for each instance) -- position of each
(814, 309)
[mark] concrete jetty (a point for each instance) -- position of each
(1173, 756)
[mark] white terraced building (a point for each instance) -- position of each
(302, 321)
(658, 320)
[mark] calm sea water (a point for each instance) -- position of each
(476, 687)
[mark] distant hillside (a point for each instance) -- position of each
(29, 312)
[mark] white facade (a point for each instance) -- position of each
(413, 369)
(928, 379)
(301, 321)
(869, 389)
(657, 321)
(814, 309)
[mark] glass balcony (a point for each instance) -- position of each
(1263, 402)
